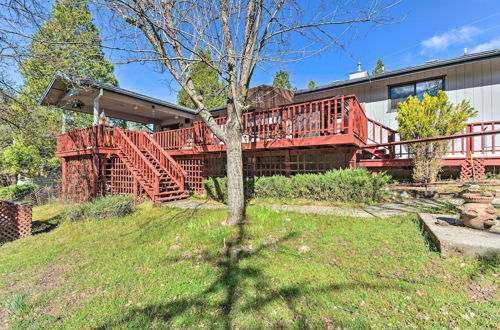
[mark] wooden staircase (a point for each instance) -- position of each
(156, 172)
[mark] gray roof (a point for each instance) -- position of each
(106, 87)
(435, 64)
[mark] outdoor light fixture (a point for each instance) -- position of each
(76, 104)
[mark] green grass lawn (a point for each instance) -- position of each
(162, 267)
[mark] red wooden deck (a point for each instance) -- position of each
(334, 121)
(163, 165)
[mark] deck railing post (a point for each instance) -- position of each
(350, 116)
(391, 137)
(469, 142)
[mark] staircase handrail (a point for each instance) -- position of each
(382, 125)
(167, 161)
(155, 180)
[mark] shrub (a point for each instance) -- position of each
(101, 208)
(17, 304)
(216, 189)
(432, 116)
(17, 192)
(272, 186)
(352, 186)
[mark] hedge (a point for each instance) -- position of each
(101, 208)
(352, 186)
(17, 192)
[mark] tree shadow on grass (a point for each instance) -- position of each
(168, 218)
(231, 280)
(45, 226)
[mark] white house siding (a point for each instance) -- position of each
(478, 82)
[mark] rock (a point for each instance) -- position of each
(243, 250)
(426, 193)
(304, 249)
(404, 194)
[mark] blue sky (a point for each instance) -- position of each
(431, 29)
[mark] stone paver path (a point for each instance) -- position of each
(381, 211)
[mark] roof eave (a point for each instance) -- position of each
(409, 70)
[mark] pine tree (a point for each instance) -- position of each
(282, 80)
(207, 83)
(379, 67)
(312, 84)
(69, 43)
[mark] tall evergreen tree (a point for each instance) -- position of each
(379, 67)
(312, 84)
(282, 80)
(207, 84)
(69, 43)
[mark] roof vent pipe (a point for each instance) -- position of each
(358, 74)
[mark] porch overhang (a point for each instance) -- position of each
(78, 95)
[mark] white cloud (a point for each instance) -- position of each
(492, 44)
(442, 41)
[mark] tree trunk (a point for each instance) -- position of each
(235, 188)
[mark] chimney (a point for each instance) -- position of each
(358, 74)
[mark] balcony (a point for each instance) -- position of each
(332, 121)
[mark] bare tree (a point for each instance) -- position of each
(240, 34)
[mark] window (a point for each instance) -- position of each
(170, 127)
(400, 93)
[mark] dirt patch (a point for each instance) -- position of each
(49, 280)
(4, 318)
(480, 293)
(384, 251)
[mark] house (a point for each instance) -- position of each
(343, 124)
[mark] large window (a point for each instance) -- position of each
(401, 92)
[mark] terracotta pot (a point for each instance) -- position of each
(478, 198)
(477, 211)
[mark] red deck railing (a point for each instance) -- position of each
(462, 147)
(86, 138)
(176, 139)
(488, 145)
(332, 116)
(338, 115)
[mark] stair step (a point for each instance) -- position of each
(170, 198)
(169, 188)
(170, 192)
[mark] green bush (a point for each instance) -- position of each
(272, 186)
(216, 189)
(101, 208)
(17, 192)
(350, 186)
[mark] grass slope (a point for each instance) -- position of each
(162, 267)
